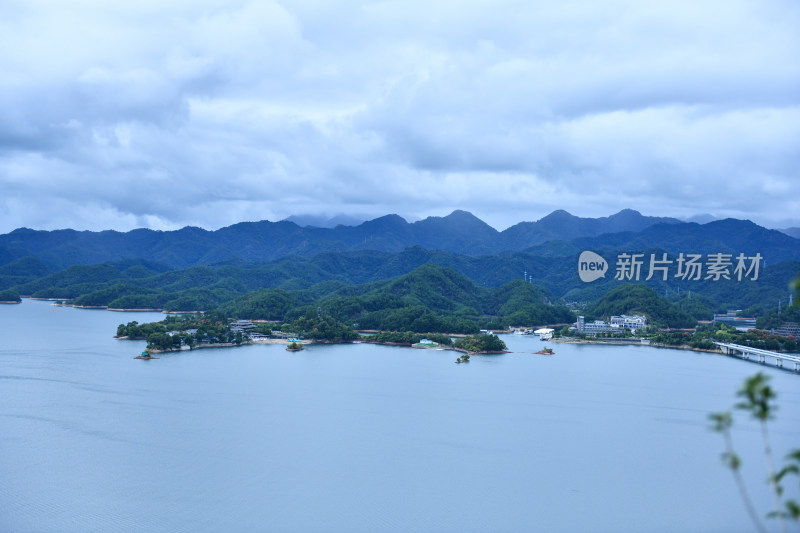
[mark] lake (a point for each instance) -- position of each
(365, 438)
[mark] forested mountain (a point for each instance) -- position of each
(144, 284)
(636, 299)
(562, 226)
(723, 236)
(194, 269)
(430, 298)
(792, 232)
(460, 232)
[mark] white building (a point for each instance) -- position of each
(632, 322)
(616, 325)
(593, 328)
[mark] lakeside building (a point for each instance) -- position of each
(788, 329)
(617, 325)
(739, 322)
(632, 322)
(242, 325)
(594, 328)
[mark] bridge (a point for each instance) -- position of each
(758, 355)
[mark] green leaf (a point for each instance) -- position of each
(731, 460)
(791, 469)
(721, 422)
(758, 397)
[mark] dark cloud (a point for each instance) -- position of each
(211, 112)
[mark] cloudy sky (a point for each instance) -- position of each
(116, 115)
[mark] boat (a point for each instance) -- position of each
(544, 333)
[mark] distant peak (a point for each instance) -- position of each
(386, 220)
(703, 218)
(628, 212)
(392, 217)
(558, 214)
(460, 213)
(323, 221)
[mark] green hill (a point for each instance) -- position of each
(637, 299)
(431, 298)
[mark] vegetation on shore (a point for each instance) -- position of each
(409, 290)
(480, 344)
(213, 327)
(176, 331)
(430, 299)
(703, 336)
(322, 328)
(635, 299)
(10, 295)
(409, 338)
(700, 338)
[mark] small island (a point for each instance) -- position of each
(546, 351)
(145, 355)
(10, 297)
(294, 346)
(480, 344)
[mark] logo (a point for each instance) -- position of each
(591, 266)
(692, 267)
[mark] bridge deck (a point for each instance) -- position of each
(747, 351)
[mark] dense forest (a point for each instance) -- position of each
(471, 278)
(438, 302)
(634, 299)
(480, 343)
(139, 284)
(704, 336)
(9, 295)
(429, 299)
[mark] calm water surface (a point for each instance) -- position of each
(365, 438)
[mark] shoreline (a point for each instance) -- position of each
(106, 308)
(636, 342)
(306, 342)
(218, 344)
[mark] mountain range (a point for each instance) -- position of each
(558, 234)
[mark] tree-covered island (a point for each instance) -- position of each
(212, 329)
(9, 296)
(197, 330)
(483, 343)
